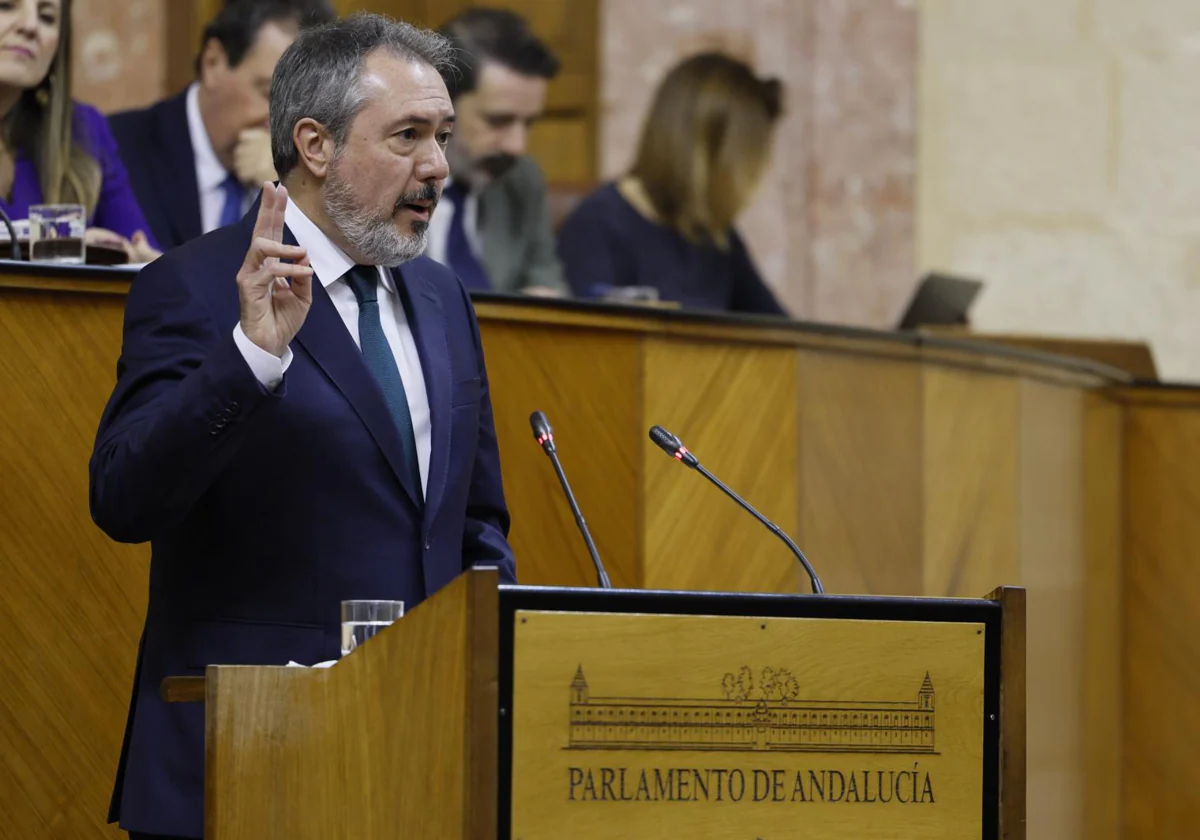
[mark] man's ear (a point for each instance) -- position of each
(314, 145)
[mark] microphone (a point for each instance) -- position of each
(674, 447)
(14, 246)
(545, 438)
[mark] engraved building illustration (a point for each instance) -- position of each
(749, 718)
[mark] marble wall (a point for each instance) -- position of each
(1060, 160)
(120, 52)
(832, 227)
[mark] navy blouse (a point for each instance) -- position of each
(606, 242)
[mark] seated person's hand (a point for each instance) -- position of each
(543, 292)
(138, 250)
(252, 161)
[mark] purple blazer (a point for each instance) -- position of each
(117, 208)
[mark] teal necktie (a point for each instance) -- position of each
(381, 361)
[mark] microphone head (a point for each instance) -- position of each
(542, 432)
(664, 440)
(673, 446)
(539, 423)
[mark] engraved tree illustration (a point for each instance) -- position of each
(786, 685)
(729, 686)
(745, 683)
(773, 683)
(768, 684)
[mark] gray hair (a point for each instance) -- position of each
(320, 75)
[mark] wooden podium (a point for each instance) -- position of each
(531, 712)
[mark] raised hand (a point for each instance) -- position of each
(275, 296)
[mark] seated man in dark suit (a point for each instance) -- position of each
(301, 415)
(197, 160)
(495, 229)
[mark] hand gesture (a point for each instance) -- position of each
(137, 250)
(140, 250)
(273, 309)
(252, 161)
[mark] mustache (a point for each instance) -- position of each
(427, 193)
(496, 165)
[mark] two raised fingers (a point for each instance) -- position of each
(267, 250)
(271, 208)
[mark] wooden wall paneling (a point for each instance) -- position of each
(1162, 600)
(1103, 686)
(1053, 570)
(734, 405)
(72, 602)
(970, 481)
(185, 21)
(587, 382)
(859, 428)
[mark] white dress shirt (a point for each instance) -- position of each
(439, 227)
(210, 174)
(331, 264)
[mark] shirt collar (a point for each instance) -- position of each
(210, 174)
(329, 262)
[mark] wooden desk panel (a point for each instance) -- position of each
(71, 601)
(734, 406)
(1050, 533)
(588, 383)
(1103, 624)
(1162, 605)
(972, 447)
(861, 502)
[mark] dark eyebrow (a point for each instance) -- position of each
(416, 120)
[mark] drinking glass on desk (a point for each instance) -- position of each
(56, 233)
(363, 619)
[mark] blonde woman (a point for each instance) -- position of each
(668, 223)
(53, 150)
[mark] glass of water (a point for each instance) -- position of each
(363, 619)
(56, 233)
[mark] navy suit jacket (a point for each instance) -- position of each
(156, 148)
(267, 509)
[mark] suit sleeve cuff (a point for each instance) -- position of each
(267, 368)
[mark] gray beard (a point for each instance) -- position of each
(376, 240)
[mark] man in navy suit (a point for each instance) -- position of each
(301, 414)
(196, 160)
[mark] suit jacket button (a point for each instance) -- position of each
(428, 544)
(233, 409)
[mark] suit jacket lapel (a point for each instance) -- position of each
(428, 324)
(174, 168)
(325, 338)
